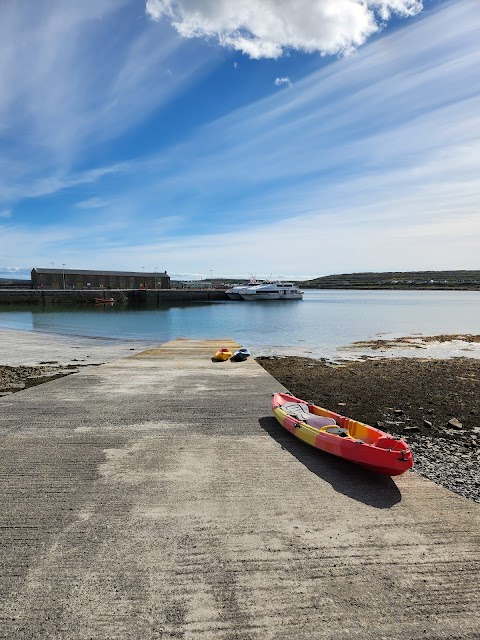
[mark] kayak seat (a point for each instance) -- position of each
(299, 410)
(319, 422)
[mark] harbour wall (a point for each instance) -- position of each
(136, 297)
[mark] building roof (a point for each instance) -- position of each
(92, 272)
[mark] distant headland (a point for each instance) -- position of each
(435, 280)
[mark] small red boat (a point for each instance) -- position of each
(341, 436)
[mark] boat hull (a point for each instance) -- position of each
(260, 296)
(241, 355)
(222, 354)
(364, 445)
(234, 293)
(271, 296)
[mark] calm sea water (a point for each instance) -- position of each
(316, 325)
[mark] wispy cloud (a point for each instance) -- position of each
(270, 28)
(92, 203)
(5, 213)
(7, 271)
(285, 80)
(21, 187)
(66, 85)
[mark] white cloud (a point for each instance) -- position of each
(280, 81)
(15, 185)
(92, 203)
(269, 28)
(15, 272)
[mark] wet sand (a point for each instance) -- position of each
(27, 348)
(30, 358)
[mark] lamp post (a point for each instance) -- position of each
(63, 265)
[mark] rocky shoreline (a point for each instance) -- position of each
(432, 404)
(13, 379)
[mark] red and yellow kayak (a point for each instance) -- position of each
(341, 436)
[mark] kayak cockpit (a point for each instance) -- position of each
(326, 424)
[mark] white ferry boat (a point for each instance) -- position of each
(234, 293)
(272, 291)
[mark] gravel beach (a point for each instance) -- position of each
(433, 404)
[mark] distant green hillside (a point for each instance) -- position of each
(467, 280)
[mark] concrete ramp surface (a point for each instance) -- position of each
(157, 497)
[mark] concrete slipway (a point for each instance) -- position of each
(156, 497)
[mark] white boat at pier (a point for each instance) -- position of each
(234, 293)
(272, 291)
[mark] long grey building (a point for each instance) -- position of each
(90, 279)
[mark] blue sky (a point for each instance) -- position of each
(292, 139)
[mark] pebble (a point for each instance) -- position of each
(455, 424)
